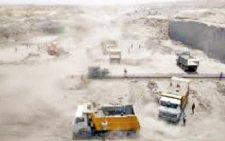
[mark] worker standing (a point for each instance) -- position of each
(125, 72)
(193, 108)
(221, 75)
(184, 118)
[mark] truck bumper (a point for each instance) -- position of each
(82, 134)
(169, 119)
(192, 68)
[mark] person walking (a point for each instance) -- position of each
(193, 108)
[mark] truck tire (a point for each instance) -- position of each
(194, 69)
(132, 133)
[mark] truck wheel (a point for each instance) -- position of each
(194, 69)
(131, 133)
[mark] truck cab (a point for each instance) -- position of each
(170, 109)
(173, 101)
(81, 126)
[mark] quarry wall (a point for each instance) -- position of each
(197, 35)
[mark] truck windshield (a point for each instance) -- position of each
(168, 104)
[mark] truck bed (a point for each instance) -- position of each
(116, 123)
(120, 118)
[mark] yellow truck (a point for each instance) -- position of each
(94, 121)
(173, 101)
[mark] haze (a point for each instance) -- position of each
(84, 2)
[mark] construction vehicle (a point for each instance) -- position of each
(115, 56)
(187, 62)
(96, 72)
(173, 102)
(107, 45)
(91, 120)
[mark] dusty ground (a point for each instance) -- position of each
(40, 93)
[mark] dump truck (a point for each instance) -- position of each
(172, 102)
(107, 45)
(187, 62)
(115, 56)
(93, 120)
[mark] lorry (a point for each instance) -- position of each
(187, 62)
(172, 102)
(107, 45)
(115, 56)
(91, 120)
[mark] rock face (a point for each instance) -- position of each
(209, 38)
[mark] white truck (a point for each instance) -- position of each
(187, 62)
(173, 101)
